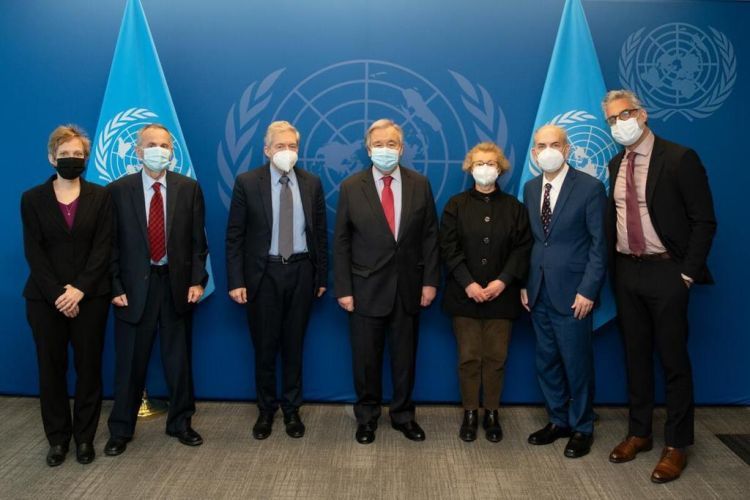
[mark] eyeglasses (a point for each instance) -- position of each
(625, 114)
(490, 163)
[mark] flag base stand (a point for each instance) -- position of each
(151, 408)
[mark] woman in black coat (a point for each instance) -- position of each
(485, 244)
(67, 234)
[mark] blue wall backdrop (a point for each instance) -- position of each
(453, 72)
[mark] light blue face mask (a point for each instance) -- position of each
(157, 159)
(384, 159)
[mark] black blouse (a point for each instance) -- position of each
(484, 237)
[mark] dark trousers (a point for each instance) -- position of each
(564, 364)
(482, 351)
(368, 336)
(278, 316)
(52, 333)
(133, 344)
(652, 302)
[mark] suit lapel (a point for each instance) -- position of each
(655, 167)
(616, 162)
(407, 198)
(264, 189)
(139, 204)
(51, 206)
(84, 199)
(173, 191)
(565, 191)
(370, 193)
(305, 197)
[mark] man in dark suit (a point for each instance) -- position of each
(660, 225)
(277, 261)
(159, 271)
(386, 265)
(566, 212)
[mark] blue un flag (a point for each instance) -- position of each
(571, 99)
(136, 94)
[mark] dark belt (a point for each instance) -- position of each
(160, 270)
(646, 256)
(295, 257)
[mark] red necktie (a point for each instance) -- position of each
(386, 199)
(156, 233)
(636, 240)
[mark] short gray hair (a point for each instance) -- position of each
(148, 126)
(383, 123)
(614, 95)
(276, 127)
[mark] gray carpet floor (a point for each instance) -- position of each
(328, 463)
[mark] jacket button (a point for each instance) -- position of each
(486, 240)
(546, 243)
(487, 219)
(484, 262)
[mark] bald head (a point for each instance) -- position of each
(550, 134)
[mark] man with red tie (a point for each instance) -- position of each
(158, 274)
(386, 266)
(660, 225)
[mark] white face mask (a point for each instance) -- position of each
(626, 132)
(284, 160)
(550, 160)
(157, 159)
(484, 175)
(384, 159)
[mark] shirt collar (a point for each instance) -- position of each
(645, 147)
(148, 181)
(377, 174)
(558, 181)
(276, 175)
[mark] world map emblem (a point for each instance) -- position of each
(679, 69)
(333, 108)
(591, 147)
(114, 153)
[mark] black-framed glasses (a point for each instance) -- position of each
(490, 163)
(625, 114)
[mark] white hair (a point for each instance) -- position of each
(383, 123)
(614, 95)
(276, 127)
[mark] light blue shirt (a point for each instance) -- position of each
(300, 242)
(396, 185)
(148, 193)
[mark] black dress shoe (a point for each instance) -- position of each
(294, 426)
(579, 445)
(366, 433)
(188, 437)
(549, 434)
(56, 454)
(85, 453)
(115, 445)
(468, 430)
(410, 429)
(263, 426)
(492, 430)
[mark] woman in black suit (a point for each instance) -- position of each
(485, 243)
(67, 232)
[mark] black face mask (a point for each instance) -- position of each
(70, 168)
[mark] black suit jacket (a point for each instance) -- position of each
(679, 203)
(251, 221)
(369, 263)
(58, 256)
(187, 250)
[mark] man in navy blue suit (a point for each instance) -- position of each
(566, 211)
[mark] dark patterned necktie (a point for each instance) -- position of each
(156, 233)
(546, 209)
(636, 239)
(286, 219)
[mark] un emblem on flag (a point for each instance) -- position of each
(591, 147)
(678, 68)
(115, 156)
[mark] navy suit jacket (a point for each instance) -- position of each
(571, 259)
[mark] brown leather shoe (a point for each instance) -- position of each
(629, 448)
(673, 462)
